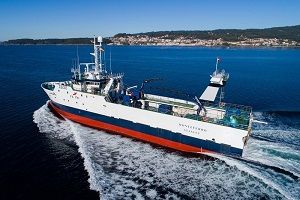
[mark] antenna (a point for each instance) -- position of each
(110, 61)
(100, 53)
(77, 57)
(218, 59)
(104, 60)
(95, 54)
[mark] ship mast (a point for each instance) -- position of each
(217, 63)
(97, 55)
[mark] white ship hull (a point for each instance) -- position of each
(171, 131)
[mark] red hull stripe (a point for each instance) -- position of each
(129, 132)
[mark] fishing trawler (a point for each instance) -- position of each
(96, 98)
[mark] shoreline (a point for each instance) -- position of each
(183, 45)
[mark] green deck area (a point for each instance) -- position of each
(236, 116)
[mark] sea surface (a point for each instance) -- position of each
(45, 157)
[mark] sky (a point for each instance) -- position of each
(85, 18)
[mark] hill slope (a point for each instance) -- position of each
(54, 41)
(286, 32)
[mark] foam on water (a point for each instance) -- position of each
(48, 123)
(123, 168)
(277, 130)
(277, 144)
(274, 154)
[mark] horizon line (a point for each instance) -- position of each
(81, 37)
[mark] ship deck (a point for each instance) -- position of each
(224, 114)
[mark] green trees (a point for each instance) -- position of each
(287, 32)
(55, 41)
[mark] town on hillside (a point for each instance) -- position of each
(186, 41)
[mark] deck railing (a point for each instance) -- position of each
(236, 116)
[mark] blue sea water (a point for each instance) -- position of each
(42, 156)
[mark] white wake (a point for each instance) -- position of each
(122, 168)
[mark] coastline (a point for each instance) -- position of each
(211, 46)
(180, 45)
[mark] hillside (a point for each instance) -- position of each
(287, 36)
(54, 41)
(286, 32)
